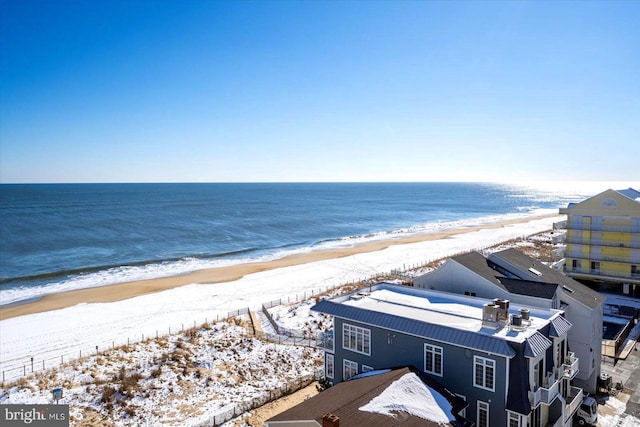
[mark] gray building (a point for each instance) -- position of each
(510, 363)
(512, 275)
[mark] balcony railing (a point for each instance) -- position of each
(325, 340)
(600, 272)
(600, 242)
(574, 399)
(605, 228)
(547, 392)
(605, 258)
(570, 366)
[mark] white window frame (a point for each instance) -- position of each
(356, 339)
(367, 368)
(510, 417)
(329, 361)
(485, 363)
(351, 366)
(435, 353)
(482, 406)
(462, 413)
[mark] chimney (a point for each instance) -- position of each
(330, 420)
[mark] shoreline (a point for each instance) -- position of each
(126, 290)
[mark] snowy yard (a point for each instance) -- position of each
(184, 379)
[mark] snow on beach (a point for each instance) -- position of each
(63, 334)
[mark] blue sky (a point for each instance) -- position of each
(214, 91)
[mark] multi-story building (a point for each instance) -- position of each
(603, 240)
(511, 364)
(512, 275)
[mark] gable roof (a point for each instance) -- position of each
(346, 398)
(509, 258)
(536, 344)
(477, 263)
(631, 193)
(616, 202)
(559, 326)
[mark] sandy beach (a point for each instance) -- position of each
(66, 325)
(122, 291)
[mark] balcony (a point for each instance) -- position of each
(604, 227)
(600, 242)
(570, 366)
(325, 340)
(547, 393)
(600, 273)
(559, 253)
(573, 401)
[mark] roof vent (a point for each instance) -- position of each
(525, 314)
(534, 271)
(490, 315)
(516, 320)
(503, 308)
(330, 420)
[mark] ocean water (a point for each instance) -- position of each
(57, 237)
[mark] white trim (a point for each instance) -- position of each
(462, 413)
(328, 356)
(359, 331)
(486, 363)
(510, 413)
(352, 365)
(435, 351)
(367, 368)
(485, 405)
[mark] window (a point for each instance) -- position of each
(328, 365)
(595, 267)
(483, 370)
(366, 368)
(433, 359)
(634, 270)
(462, 413)
(482, 419)
(349, 369)
(356, 339)
(514, 419)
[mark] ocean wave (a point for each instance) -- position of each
(12, 293)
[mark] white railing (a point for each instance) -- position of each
(570, 366)
(574, 399)
(546, 393)
(325, 340)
